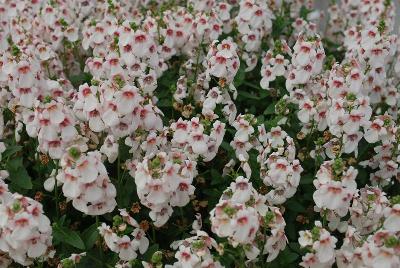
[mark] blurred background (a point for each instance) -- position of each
(323, 4)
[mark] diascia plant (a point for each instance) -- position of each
(199, 133)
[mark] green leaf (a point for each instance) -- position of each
(319, 160)
(164, 103)
(240, 76)
(256, 87)
(285, 257)
(289, 257)
(295, 247)
(294, 205)
(270, 109)
(307, 179)
(362, 176)
(304, 12)
(14, 164)
(227, 147)
(212, 192)
(18, 174)
(260, 119)
(290, 229)
(21, 178)
(126, 192)
(248, 95)
(215, 177)
(62, 219)
(274, 122)
(90, 235)
(11, 150)
(80, 79)
(150, 251)
(167, 77)
(215, 173)
(279, 25)
(63, 234)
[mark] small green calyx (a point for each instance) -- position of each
(392, 242)
(229, 211)
(157, 257)
(117, 220)
(269, 217)
(395, 200)
(74, 152)
(67, 263)
(315, 233)
(16, 206)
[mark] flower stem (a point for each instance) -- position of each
(153, 230)
(56, 193)
(56, 198)
(100, 249)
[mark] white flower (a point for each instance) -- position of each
(86, 182)
(305, 53)
(26, 233)
(126, 246)
(127, 99)
(325, 247)
(392, 221)
(110, 148)
(164, 180)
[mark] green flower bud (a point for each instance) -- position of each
(16, 206)
(199, 244)
(155, 163)
(315, 233)
(269, 217)
(117, 220)
(395, 200)
(157, 257)
(67, 263)
(229, 211)
(391, 242)
(74, 152)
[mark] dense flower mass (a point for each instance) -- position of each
(241, 213)
(26, 233)
(117, 239)
(199, 133)
(85, 182)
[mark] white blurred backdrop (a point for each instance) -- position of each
(323, 4)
